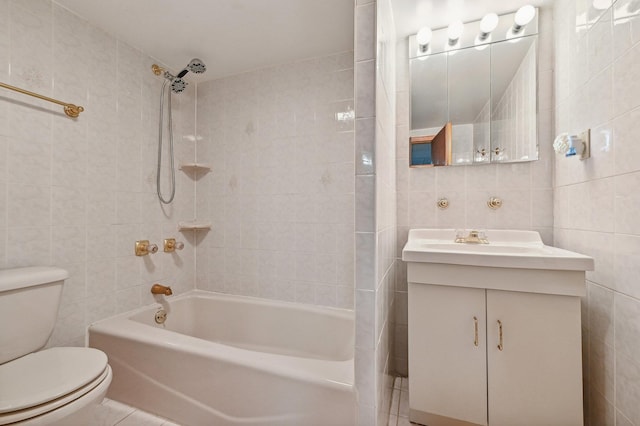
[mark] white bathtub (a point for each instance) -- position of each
(231, 360)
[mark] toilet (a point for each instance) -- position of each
(55, 386)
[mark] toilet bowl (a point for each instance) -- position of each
(55, 386)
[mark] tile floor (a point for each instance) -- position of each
(399, 415)
(112, 413)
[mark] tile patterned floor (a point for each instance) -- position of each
(399, 415)
(112, 413)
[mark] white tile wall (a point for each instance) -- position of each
(385, 205)
(78, 193)
(595, 201)
(280, 194)
(525, 188)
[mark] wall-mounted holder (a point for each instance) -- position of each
(171, 245)
(574, 145)
(143, 248)
(443, 203)
(494, 203)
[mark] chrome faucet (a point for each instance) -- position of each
(161, 289)
(474, 237)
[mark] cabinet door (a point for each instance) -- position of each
(447, 354)
(535, 377)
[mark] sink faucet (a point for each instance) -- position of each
(474, 237)
(161, 289)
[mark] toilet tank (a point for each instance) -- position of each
(29, 300)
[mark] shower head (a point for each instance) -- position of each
(178, 85)
(195, 66)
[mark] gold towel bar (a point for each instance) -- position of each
(70, 109)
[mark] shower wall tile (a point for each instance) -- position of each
(77, 193)
(280, 195)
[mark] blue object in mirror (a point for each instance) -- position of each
(420, 154)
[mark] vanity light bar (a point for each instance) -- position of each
(458, 35)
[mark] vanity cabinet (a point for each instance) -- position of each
(488, 356)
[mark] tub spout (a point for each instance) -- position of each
(161, 289)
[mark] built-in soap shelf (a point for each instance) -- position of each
(193, 225)
(195, 167)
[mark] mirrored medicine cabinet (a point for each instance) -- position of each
(484, 92)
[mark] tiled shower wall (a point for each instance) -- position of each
(77, 193)
(597, 201)
(280, 195)
(525, 188)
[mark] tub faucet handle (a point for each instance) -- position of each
(171, 245)
(143, 248)
(161, 289)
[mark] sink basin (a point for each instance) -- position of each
(482, 248)
(506, 249)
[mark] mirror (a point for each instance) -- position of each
(433, 150)
(514, 135)
(487, 91)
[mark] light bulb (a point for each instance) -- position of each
(455, 31)
(488, 23)
(424, 36)
(524, 15)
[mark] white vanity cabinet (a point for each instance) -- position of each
(494, 345)
(457, 371)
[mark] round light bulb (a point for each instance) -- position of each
(489, 23)
(524, 15)
(455, 30)
(424, 36)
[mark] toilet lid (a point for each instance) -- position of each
(43, 376)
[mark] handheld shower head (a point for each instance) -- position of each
(196, 66)
(178, 85)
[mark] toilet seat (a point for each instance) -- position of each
(44, 381)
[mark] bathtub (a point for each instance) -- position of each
(231, 360)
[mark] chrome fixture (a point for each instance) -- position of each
(474, 237)
(177, 86)
(161, 316)
(161, 289)
(143, 248)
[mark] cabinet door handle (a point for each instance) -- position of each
(475, 333)
(500, 346)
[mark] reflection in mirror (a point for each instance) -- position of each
(431, 150)
(487, 90)
(514, 135)
(429, 103)
(469, 91)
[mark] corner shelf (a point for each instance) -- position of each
(193, 225)
(195, 167)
